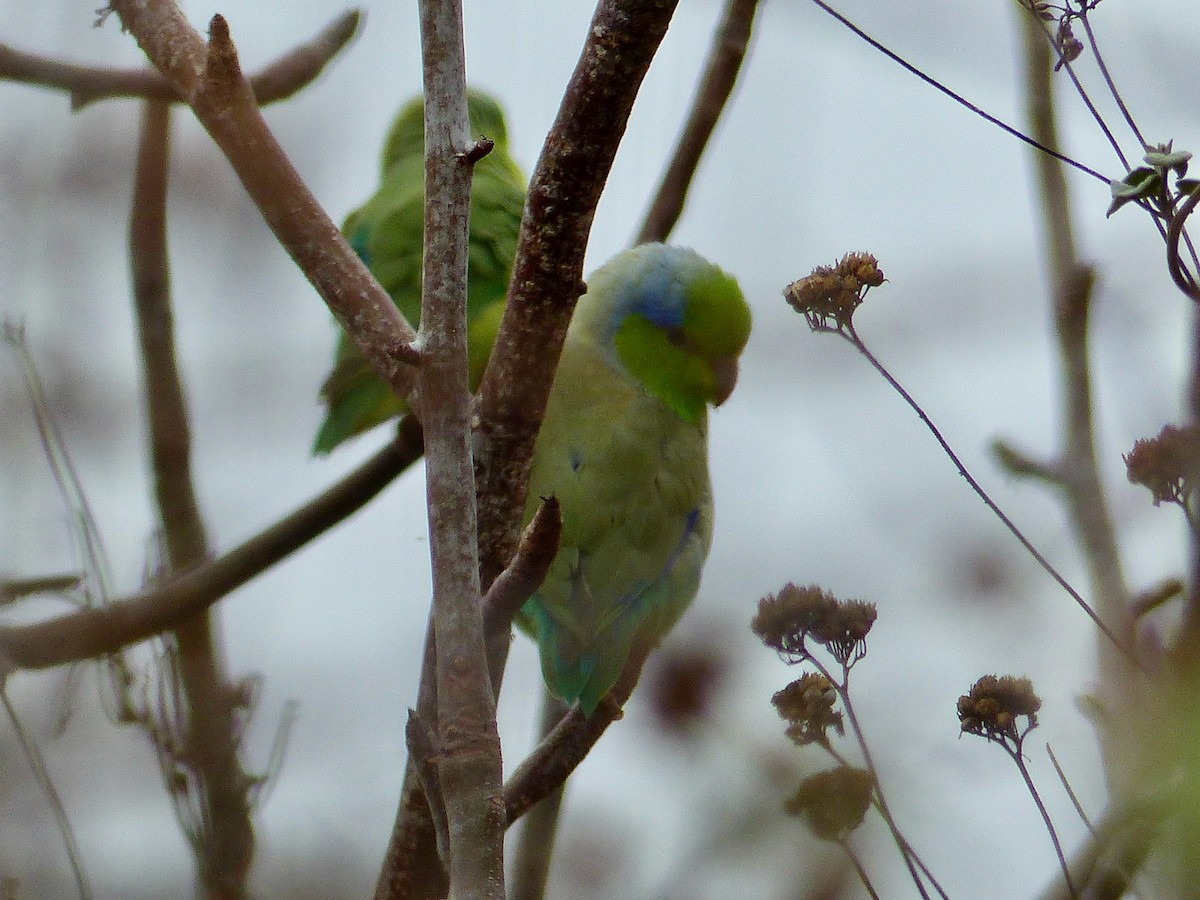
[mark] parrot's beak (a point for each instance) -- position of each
(725, 373)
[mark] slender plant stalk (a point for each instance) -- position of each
(729, 45)
(33, 756)
(1019, 759)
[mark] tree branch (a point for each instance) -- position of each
(724, 62)
(88, 84)
(469, 766)
(92, 632)
(225, 847)
(547, 280)
(209, 77)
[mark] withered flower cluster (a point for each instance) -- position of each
(829, 296)
(807, 705)
(1168, 464)
(994, 705)
(834, 802)
(787, 619)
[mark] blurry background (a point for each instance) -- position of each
(821, 474)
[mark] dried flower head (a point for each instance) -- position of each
(785, 620)
(807, 704)
(829, 296)
(994, 705)
(1069, 47)
(1167, 464)
(834, 802)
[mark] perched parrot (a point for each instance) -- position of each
(387, 233)
(623, 447)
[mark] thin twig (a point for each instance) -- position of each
(1108, 80)
(88, 84)
(725, 56)
(94, 632)
(42, 775)
(957, 98)
(983, 495)
(1017, 756)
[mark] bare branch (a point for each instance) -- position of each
(516, 584)
(225, 848)
(93, 632)
(209, 77)
(724, 62)
(88, 84)
(547, 280)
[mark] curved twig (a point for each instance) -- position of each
(89, 633)
(88, 84)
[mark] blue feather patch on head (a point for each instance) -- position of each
(659, 295)
(654, 286)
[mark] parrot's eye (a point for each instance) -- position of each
(676, 337)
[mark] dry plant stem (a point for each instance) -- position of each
(906, 851)
(469, 765)
(225, 848)
(42, 775)
(209, 77)
(92, 632)
(88, 84)
(957, 98)
(852, 336)
(1018, 757)
(1183, 279)
(1112, 85)
(1076, 466)
(859, 869)
(535, 847)
(724, 62)
(547, 280)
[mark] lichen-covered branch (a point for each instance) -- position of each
(469, 769)
(547, 280)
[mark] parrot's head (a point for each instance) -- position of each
(673, 320)
(407, 136)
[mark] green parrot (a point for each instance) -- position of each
(387, 233)
(623, 446)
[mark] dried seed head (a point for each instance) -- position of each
(833, 803)
(829, 296)
(1168, 464)
(994, 704)
(807, 704)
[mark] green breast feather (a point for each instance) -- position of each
(387, 232)
(624, 449)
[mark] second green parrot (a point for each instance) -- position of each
(387, 232)
(624, 448)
